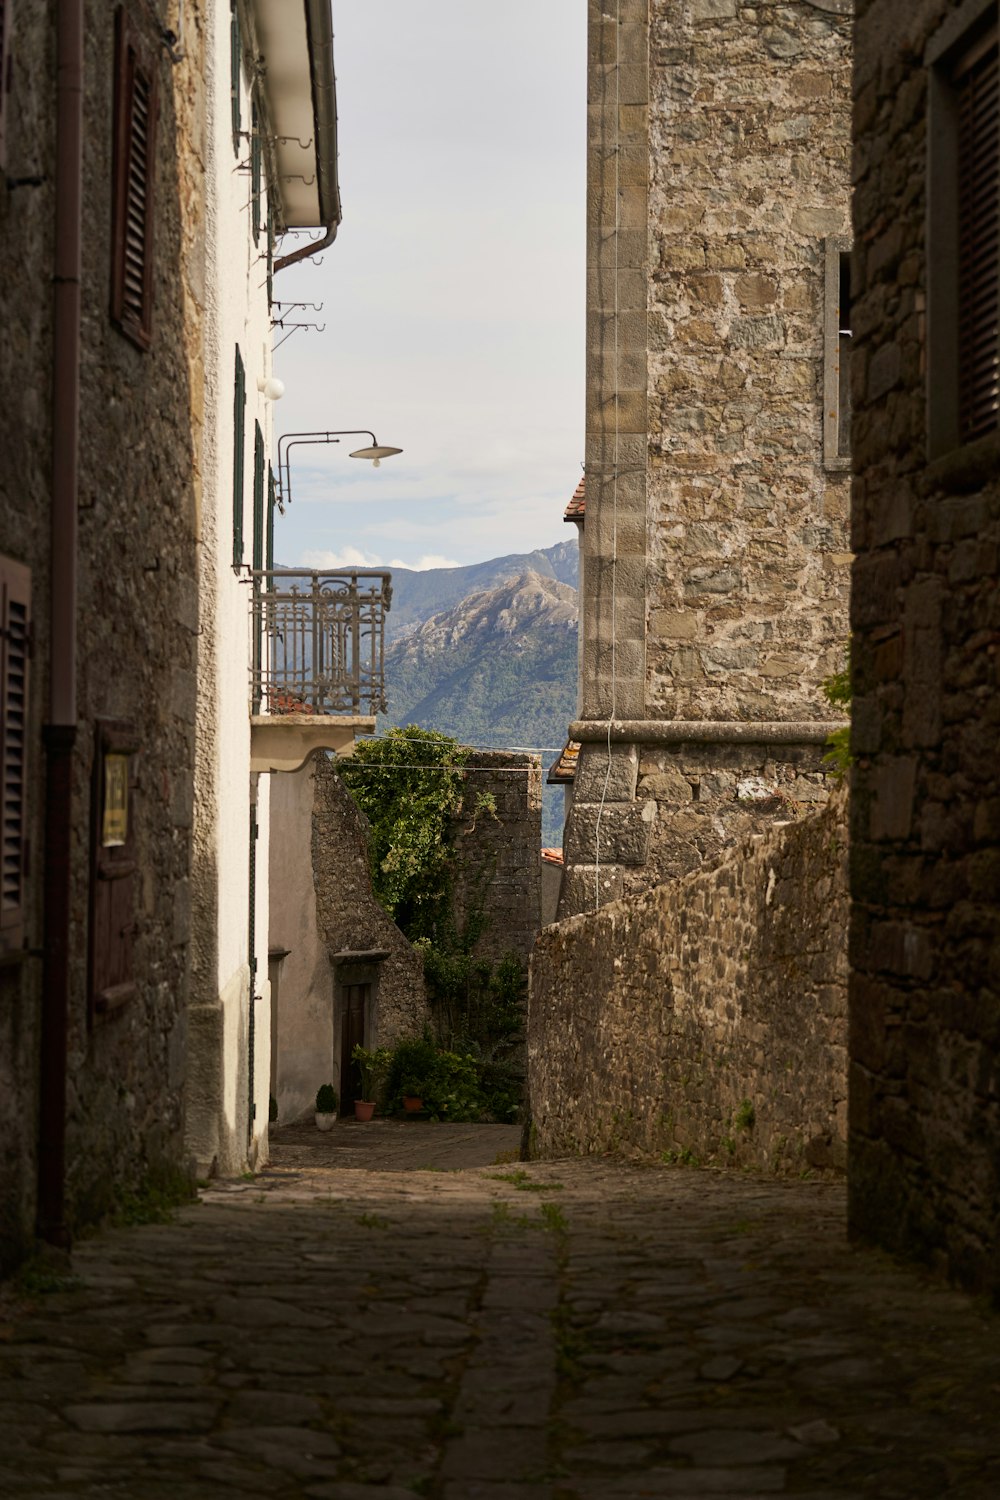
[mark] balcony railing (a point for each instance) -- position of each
(317, 642)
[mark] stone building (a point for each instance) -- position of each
(714, 556)
(144, 174)
(341, 970)
(924, 1173)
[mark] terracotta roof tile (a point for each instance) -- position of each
(564, 769)
(553, 857)
(577, 506)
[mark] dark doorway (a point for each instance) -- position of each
(355, 999)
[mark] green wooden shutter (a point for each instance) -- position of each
(235, 70)
(255, 159)
(239, 409)
(258, 498)
(271, 502)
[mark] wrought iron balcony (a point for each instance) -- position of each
(317, 642)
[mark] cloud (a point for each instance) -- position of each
(349, 557)
(430, 560)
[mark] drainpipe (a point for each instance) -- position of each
(59, 734)
(319, 29)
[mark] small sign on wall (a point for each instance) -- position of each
(114, 815)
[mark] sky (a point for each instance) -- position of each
(452, 321)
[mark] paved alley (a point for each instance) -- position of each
(567, 1330)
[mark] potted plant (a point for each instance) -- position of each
(373, 1064)
(327, 1101)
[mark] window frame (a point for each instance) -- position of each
(131, 314)
(835, 457)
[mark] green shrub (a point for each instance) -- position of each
(327, 1100)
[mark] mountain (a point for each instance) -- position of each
(418, 596)
(497, 668)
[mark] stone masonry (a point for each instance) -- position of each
(137, 606)
(715, 571)
(925, 827)
(705, 1018)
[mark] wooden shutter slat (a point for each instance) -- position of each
(133, 196)
(977, 92)
(15, 600)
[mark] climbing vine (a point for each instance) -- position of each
(409, 784)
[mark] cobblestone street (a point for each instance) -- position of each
(384, 1314)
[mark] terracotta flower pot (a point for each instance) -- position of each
(412, 1104)
(364, 1109)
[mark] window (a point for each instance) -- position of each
(837, 354)
(235, 71)
(963, 229)
(132, 187)
(239, 411)
(15, 601)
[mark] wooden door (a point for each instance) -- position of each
(354, 1003)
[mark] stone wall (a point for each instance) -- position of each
(350, 919)
(497, 865)
(706, 1018)
(715, 553)
(137, 610)
(925, 1006)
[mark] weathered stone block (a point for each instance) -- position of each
(618, 832)
(611, 776)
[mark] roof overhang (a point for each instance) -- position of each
(294, 43)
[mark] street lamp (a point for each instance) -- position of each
(375, 452)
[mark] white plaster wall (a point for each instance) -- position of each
(304, 1018)
(236, 313)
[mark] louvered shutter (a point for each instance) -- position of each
(15, 603)
(271, 502)
(977, 96)
(258, 498)
(255, 173)
(134, 162)
(235, 71)
(239, 412)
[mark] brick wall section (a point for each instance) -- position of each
(497, 857)
(925, 1007)
(654, 1022)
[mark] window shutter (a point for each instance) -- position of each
(15, 603)
(5, 75)
(235, 71)
(271, 500)
(977, 94)
(132, 194)
(255, 173)
(258, 498)
(239, 408)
